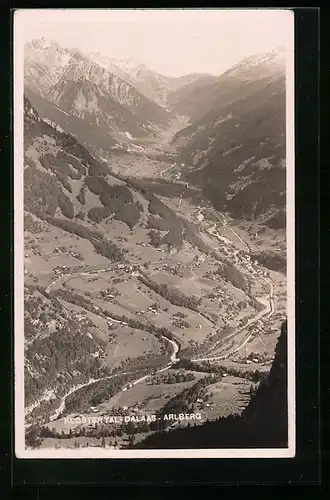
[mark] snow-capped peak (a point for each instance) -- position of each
(270, 62)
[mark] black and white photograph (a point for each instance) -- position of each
(154, 233)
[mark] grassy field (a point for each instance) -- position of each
(137, 165)
(133, 300)
(124, 341)
(225, 398)
(267, 238)
(189, 285)
(263, 344)
(46, 244)
(141, 399)
(148, 397)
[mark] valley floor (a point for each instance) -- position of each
(229, 339)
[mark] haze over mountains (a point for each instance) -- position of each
(153, 85)
(235, 144)
(233, 147)
(64, 83)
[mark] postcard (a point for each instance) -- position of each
(154, 233)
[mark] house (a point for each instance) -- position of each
(255, 360)
(248, 361)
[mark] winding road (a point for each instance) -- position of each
(174, 359)
(269, 310)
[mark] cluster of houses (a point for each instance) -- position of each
(109, 293)
(76, 255)
(128, 268)
(144, 245)
(250, 361)
(244, 259)
(61, 270)
(59, 250)
(81, 319)
(148, 245)
(153, 309)
(199, 259)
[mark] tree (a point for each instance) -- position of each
(81, 196)
(32, 438)
(155, 238)
(131, 440)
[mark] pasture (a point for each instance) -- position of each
(146, 397)
(122, 341)
(226, 397)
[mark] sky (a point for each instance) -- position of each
(171, 42)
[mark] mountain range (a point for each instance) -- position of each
(85, 99)
(211, 92)
(230, 150)
(233, 148)
(152, 85)
(235, 145)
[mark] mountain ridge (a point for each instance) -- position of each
(78, 86)
(234, 147)
(150, 83)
